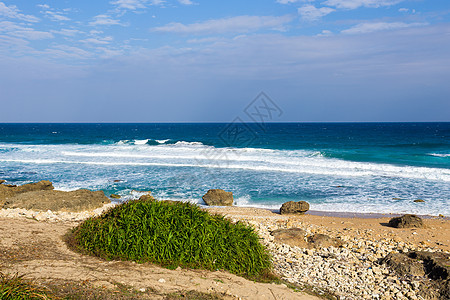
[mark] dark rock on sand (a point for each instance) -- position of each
(2, 181)
(292, 207)
(324, 241)
(419, 201)
(115, 196)
(75, 201)
(292, 237)
(406, 221)
(218, 197)
(403, 265)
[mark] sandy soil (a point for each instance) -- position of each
(36, 249)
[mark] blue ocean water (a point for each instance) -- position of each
(351, 167)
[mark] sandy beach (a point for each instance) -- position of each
(352, 271)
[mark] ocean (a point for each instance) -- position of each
(337, 167)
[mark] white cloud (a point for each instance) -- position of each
(98, 41)
(354, 4)
(43, 6)
(56, 16)
(104, 20)
(67, 32)
(232, 24)
(130, 4)
(312, 13)
(21, 31)
(13, 12)
(64, 51)
(186, 2)
(372, 27)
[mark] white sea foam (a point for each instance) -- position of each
(141, 142)
(440, 154)
(162, 141)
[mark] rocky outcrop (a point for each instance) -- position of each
(435, 265)
(75, 201)
(218, 197)
(115, 196)
(8, 191)
(406, 221)
(292, 207)
(403, 265)
(41, 196)
(292, 237)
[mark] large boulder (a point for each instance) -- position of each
(292, 207)
(218, 197)
(75, 201)
(406, 221)
(292, 237)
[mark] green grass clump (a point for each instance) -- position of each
(173, 234)
(17, 288)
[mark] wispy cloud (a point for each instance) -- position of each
(130, 4)
(354, 4)
(21, 31)
(186, 2)
(233, 24)
(104, 20)
(13, 12)
(98, 41)
(379, 26)
(312, 13)
(67, 32)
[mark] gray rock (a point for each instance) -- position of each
(218, 197)
(292, 207)
(406, 221)
(8, 191)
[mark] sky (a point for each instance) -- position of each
(206, 61)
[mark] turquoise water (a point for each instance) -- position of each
(355, 167)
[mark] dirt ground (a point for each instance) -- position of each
(36, 249)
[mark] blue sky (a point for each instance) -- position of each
(205, 61)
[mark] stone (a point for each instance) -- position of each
(115, 196)
(292, 237)
(406, 221)
(218, 197)
(403, 265)
(419, 200)
(292, 207)
(2, 181)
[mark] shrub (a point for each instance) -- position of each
(173, 234)
(16, 287)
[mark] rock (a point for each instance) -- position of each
(8, 191)
(2, 181)
(292, 207)
(323, 241)
(406, 221)
(75, 201)
(146, 197)
(115, 196)
(292, 237)
(419, 200)
(403, 265)
(218, 197)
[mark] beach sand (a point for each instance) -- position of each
(35, 248)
